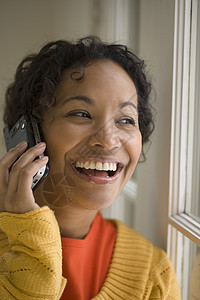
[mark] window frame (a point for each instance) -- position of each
(180, 223)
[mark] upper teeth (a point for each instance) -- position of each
(98, 165)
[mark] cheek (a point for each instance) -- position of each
(59, 142)
(135, 148)
(61, 139)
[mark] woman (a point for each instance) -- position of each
(91, 101)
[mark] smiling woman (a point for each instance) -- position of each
(97, 124)
(91, 102)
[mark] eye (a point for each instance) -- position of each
(81, 114)
(127, 121)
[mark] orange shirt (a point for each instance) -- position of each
(86, 262)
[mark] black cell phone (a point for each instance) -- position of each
(26, 129)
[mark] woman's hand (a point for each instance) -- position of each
(16, 195)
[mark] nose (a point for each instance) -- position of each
(107, 137)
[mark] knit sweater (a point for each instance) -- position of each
(31, 262)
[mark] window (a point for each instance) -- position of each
(184, 196)
(193, 163)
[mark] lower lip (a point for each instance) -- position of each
(96, 179)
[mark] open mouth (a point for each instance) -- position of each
(101, 173)
(97, 173)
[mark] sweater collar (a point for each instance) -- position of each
(130, 266)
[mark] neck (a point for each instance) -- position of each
(74, 221)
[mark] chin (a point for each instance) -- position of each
(96, 201)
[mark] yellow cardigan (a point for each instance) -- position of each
(31, 262)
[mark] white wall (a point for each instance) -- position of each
(156, 22)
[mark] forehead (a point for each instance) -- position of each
(97, 79)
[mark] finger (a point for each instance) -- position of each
(27, 173)
(23, 199)
(23, 161)
(7, 161)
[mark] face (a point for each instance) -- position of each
(92, 134)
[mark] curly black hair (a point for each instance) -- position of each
(37, 76)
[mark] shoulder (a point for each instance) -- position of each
(129, 239)
(147, 262)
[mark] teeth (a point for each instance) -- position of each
(114, 167)
(87, 165)
(78, 164)
(105, 166)
(98, 165)
(111, 166)
(92, 165)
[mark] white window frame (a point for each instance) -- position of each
(181, 225)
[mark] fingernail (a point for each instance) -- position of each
(40, 145)
(44, 158)
(22, 144)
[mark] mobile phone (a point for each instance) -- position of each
(26, 129)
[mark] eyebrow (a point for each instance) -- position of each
(92, 101)
(124, 104)
(80, 98)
